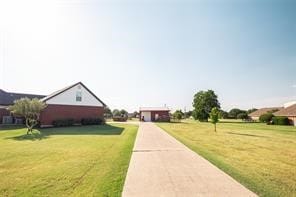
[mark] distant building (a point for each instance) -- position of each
(256, 114)
(149, 114)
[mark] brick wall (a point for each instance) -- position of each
(54, 112)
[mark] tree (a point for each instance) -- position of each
(107, 112)
(234, 112)
(214, 115)
(251, 110)
(123, 112)
(188, 114)
(29, 109)
(178, 114)
(223, 114)
(116, 112)
(243, 116)
(203, 103)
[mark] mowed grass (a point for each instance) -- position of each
(261, 157)
(72, 161)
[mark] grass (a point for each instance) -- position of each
(261, 157)
(76, 161)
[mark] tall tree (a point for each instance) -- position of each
(203, 103)
(214, 115)
(29, 109)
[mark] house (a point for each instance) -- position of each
(148, 114)
(72, 102)
(256, 114)
(6, 99)
(290, 112)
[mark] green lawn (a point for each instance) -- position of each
(76, 161)
(262, 157)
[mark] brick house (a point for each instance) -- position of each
(148, 114)
(75, 102)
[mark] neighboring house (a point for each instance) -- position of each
(148, 114)
(75, 102)
(289, 112)
(6, 99)
(256, 114)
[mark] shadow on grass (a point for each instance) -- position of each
(237, 122)
(245, 134)
(40, 134)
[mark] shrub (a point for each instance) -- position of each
(280, 120)
(266, 117)
(91, 121)
(63, 122)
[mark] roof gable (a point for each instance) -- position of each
(66, 96)
(261, 111)
(289, 111)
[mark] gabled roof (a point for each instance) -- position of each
(69, 87)
(289, 111)
(265, 110)
(154, 109)
(7, 98)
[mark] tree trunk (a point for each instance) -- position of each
(215, 128)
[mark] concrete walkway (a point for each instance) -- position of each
(162, 166)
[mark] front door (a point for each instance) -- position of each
(147, 116)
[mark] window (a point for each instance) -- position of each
(78, 96)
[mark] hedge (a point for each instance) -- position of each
(91, 121)
(63, 122)
(120, 118)
(280, 120)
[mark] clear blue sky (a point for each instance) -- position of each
(151, 53)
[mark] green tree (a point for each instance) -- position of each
(178, 114)
(223, 114)
(234, 112)
(214, 115)
(188, 114)
(116, 112)
(107, 112)
(243, 116)
(123, 112)
(30, 109)
(251, 110)
(203, 103)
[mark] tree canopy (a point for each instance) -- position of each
(203, 103)
(178, 114)
(29, 109)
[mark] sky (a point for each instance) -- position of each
(152, 53)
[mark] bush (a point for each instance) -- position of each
(280, 120)
(266, 117)
(63, 122)
(91, 121)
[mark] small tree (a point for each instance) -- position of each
(178, 114)
(29, 109)
(214, 115)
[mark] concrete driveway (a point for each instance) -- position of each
(162, 166)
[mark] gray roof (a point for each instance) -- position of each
(7, 98)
